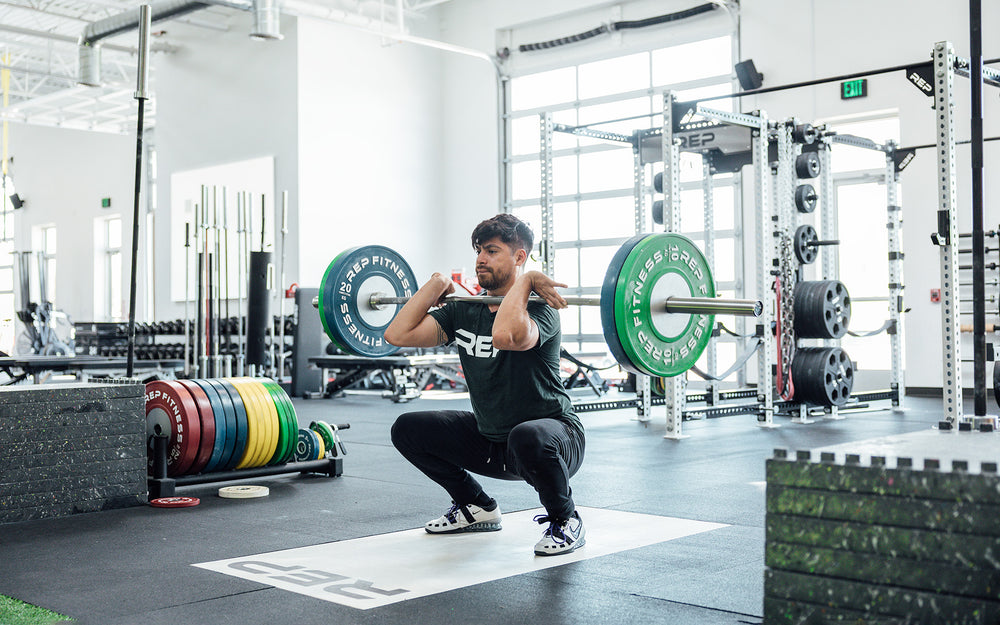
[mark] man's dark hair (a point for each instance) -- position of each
(508, 228)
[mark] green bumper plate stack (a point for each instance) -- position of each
(852, 539)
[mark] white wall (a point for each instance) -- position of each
(370, 149)
(62, 175)
(223, 98)
(789, 41)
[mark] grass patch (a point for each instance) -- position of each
(14, 612)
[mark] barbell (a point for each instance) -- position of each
(657, 302)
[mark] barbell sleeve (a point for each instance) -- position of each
(677, 305)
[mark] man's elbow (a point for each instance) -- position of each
(510, 341)
(393, 337)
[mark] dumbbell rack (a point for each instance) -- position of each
(160, 485)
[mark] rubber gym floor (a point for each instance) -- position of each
(134, 565)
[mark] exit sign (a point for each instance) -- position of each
(851, 89)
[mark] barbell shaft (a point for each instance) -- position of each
(677, 305)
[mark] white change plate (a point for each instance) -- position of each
(378, 570)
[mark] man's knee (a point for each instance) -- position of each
(404, 425)
(530, 440)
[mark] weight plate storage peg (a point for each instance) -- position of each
(823, 376)
(348, 284)
(657, 267)
(807, 165)
(822, 309)
(805, 244)
(805, 198)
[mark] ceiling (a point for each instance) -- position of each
(38, 45)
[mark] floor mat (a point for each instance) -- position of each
(378, 570)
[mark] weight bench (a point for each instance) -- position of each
(584, 372)
(407, 375)
(86, 367)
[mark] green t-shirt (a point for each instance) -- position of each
(508, 387)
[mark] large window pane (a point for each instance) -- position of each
(692, 211)
(601, 171)
(543, 89)
(724, 268)
(570, 320)
(564, 222)
(525, 135)
(602, 219)
(594, 263)
(617, 75)
(526, 180)
(861, 210)
(723, 200)
(564, 175)
(590, 320)
(567, 268)
(115, 286)
(690, 61)
(114, 233)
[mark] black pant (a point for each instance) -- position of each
(446, 445)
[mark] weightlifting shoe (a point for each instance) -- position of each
(562, 535)
(468, 518)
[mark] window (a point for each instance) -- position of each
(860, 196)
(6, 255)
(45, 246)
(593, 204)
(110, 237)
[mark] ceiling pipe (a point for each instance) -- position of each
(266, 26)
(89, 44)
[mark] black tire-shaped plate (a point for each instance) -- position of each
(805, 198)
(805, 244)
(221, 427)
(807, 165)
(242, 424)
(305, 446)
(349, 281)
(608, 288)
(229, 414)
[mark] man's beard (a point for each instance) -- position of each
(490, 280)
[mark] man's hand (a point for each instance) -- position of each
(545, 287)
(446, 284)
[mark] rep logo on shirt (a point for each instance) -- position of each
(475, 346)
